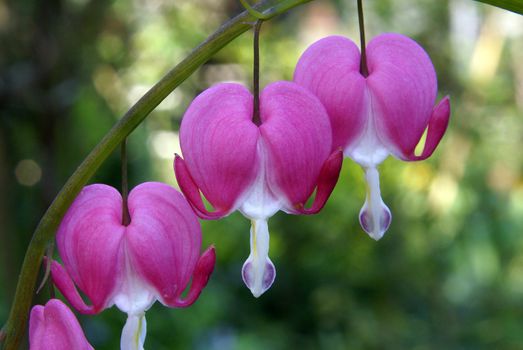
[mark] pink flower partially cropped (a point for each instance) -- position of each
(258, 170)
(383, 113)
(153, 258)
(54, 327)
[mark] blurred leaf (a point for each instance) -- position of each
(511, 5)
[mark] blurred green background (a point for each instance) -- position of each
(447, 275)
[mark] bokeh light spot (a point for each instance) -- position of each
(28, 172)
(164, 144)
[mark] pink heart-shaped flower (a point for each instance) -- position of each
(383, 113)
(258, 170)
(152, 258)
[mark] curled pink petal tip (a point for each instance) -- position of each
(438, 123)
(192, 192)
(202, 273)
(329, 174)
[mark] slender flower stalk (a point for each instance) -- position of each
(126, 218)
(256, 74)
(364, 70)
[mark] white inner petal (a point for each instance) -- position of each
(259, 202)
(258, 205)
(134, 296)
(368, 151)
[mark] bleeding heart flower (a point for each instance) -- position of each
(55, 327)
(258, 170)
(383, 113)
(153, 258)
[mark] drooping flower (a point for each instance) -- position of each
(383, 113)
(54, 327)
(152, 258)
(256, 169)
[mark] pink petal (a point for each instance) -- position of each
(163, 238)
(329, 68)
(438, 122)
(402, 83)
(55, 327)
(202, 272)
(297, 135)
(327, 180)
(89, 242)
(218, 141)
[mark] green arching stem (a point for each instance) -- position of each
(45, 231)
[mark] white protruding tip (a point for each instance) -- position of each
(133, 333)
(375, 217)
(258, 271)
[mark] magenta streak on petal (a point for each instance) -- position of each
(297, 135)
(55, 327)
(192, 192)
(218, 141)
(329, 69)
(438, 122)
